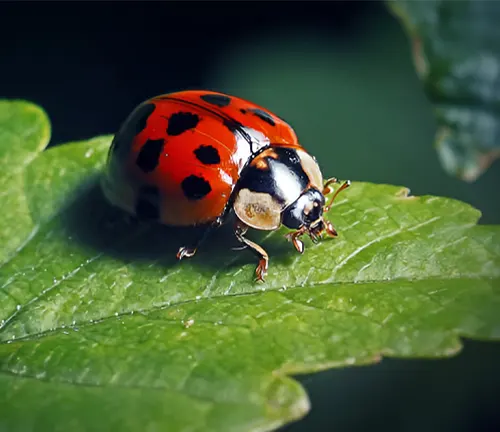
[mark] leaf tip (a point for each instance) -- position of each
(287, 400)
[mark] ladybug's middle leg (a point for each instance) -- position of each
(189, 251)
(261, 270)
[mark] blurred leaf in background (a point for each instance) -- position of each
(456, 50)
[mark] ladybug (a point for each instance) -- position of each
(196, 157)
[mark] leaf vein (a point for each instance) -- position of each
(365, 246)
(46, 291)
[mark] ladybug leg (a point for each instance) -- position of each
(345, 185)
(186, 252)
(189, 251)
(261, 270)
(330, 230)
(328, 226)
(326, 187)
(294, 238)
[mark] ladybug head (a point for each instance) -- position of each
(306, 211)
(306, 216)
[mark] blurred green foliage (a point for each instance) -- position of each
(456, 50)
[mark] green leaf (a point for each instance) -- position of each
(101, 328)
(456, 50)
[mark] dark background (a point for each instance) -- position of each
(341, 73)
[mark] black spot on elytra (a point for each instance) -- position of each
(195, 187)
(181, 122)
(243, 111)
(147, 205)
(232, 125)
(149, 156)
(263, 116)
(216, 99)
(207, 155)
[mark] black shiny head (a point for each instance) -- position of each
(306, 211)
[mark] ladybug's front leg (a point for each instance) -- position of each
(261, 270)
(294, 238)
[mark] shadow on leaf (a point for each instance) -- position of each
(91, 221)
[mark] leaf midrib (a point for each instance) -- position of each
(146, 312)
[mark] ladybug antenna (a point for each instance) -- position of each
(327, 190)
